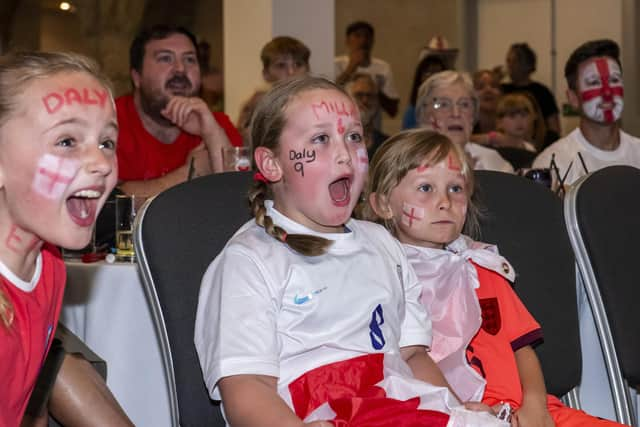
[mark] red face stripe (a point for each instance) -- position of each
(340, 126)
(606, 91)
(452, 163)
(422, 168)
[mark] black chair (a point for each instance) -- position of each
(603, 218)
(525, 220)
(177, 235)
(518, 157)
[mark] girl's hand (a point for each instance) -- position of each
(319, 424)
(532, 415)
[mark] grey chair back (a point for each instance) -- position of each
(526, 221)
(177, 235)
(603, 218)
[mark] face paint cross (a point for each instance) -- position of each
(411, 213)
(53, 176)
(602, 90)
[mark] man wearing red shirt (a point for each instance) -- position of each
(166, 131)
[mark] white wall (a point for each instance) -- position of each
(502, 22)
(250, 24)
(311, 22)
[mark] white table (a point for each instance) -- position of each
(105, 305)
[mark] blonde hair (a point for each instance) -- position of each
(267, 123)
(439, 80)
(513, 103)
(17, 72)
(406, 151)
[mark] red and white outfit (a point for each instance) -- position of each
(330, 328)
(141, 156)
(475, 348)
(25, 343)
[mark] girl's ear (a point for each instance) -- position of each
(268, 164)
(380, 206)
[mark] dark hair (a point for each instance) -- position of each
(284, 45)
(588, 50)
(526, 55)
(156, 32)
(360, 25)
(426, 62)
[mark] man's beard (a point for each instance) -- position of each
(153, 101)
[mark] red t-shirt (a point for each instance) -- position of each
(506, 327)
(141, 156)
(25, 343)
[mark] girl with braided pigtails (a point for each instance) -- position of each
(309, 317)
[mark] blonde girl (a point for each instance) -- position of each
(520, 122)
(58, 136)
(421, 188)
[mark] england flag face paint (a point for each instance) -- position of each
(601, 90)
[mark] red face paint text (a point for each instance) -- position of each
(54, 101)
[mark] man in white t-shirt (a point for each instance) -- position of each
(594, 77)
(360, 36)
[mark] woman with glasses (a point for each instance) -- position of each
(447, 103)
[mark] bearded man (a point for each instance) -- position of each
(596, 90)
(167, 133)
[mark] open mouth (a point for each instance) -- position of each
(82, 206)
(455, 128)
(178, 84)
(339, 190)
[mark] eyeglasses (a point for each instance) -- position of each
(465, 105)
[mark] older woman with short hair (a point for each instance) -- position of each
(447, 103)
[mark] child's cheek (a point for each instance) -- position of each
(53, 175)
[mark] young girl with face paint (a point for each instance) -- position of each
(58, 136)
(308, 316)
(421, 187)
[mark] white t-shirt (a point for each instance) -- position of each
(485, 158)
(378, 69)
(566, 153)
(264, 309)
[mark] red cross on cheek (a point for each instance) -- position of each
(19, 240)
(411, 213)
(606, 91)
(53, 176)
